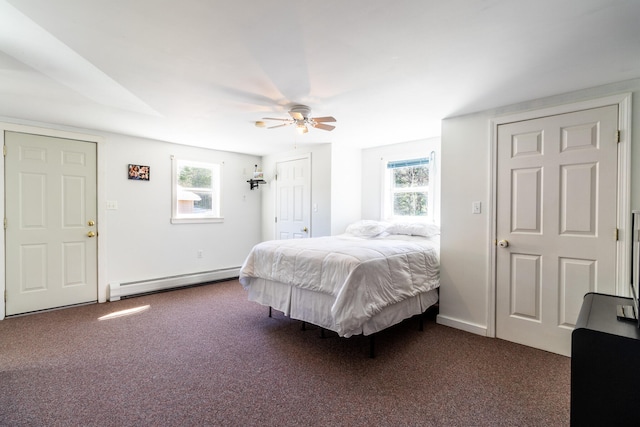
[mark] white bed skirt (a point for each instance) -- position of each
(314, 307)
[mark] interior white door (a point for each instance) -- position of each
(293, 199)
(51, 241)
(556, 223)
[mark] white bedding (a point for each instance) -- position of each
(363, 276)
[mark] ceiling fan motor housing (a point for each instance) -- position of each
(300, 113)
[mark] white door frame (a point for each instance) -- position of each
(101, 228)
(624, 188)
(305, 156)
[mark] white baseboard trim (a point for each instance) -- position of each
(119, 290)
(459, 324)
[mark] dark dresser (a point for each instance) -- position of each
(605, 365)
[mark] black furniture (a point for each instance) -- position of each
(605, 365)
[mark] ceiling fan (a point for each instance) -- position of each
(300, 118)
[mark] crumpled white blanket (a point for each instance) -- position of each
(363, 274)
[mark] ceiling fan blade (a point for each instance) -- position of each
(272, 118)
(279, 126)
(324, 119)
(323, 126)
(296, 115)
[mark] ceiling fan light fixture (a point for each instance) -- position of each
(301, 128)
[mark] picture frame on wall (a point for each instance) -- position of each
(139, 172)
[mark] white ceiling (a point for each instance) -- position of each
(201, 72)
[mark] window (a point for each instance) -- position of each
(196, 192)
(407, 190)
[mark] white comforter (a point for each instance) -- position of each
(364, 275)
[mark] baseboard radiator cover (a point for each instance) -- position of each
(119, 290)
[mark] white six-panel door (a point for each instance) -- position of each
(556, 223)
(51, 242)
(293, 199)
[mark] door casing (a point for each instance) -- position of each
(306, 205)
(623, 188)
(101, 188)
(50, 197)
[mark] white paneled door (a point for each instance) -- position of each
(293, 200)
(556, 223)
(51, 241)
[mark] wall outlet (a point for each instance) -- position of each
(476, 208)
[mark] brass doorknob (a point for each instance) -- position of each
(91, 223)
(91, 234)
(305, 229)
(503, 243)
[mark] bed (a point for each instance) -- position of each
(371, 277)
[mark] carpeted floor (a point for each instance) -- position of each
(206, 356)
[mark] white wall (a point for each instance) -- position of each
(346, 187)
(335, 188)
(466, 171)
(143, 244)
(373, 160)
(137, 241)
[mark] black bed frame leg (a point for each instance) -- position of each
(372, 347)
(269, 311)
(321, 332)
(304, 326)
(421, 327)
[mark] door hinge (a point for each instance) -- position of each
(4, 150)
(618, 136)
(615, 234)
(5, 223)
(276, 220)
(5, 295)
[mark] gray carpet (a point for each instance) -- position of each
(206, 356)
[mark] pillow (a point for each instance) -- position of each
(414, 229)
(366, 228)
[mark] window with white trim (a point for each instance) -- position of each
(408, 190)
(195, 192)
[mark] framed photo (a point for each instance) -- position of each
(139, 172)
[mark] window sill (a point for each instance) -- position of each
(196, 220)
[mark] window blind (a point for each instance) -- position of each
(407, 163)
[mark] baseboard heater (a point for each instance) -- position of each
(119, 290)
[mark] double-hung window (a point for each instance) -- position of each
(407, 192)
(195, 192)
